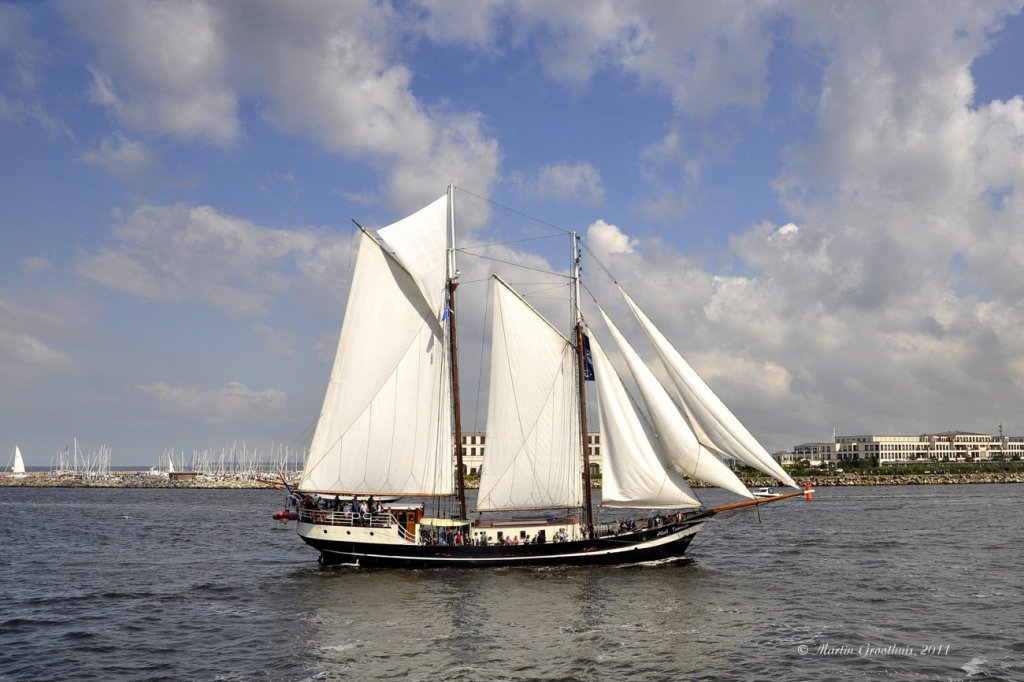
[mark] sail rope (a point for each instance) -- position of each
(512, 210)
(518, 265)
(465, 249)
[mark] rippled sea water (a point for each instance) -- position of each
(894, 583)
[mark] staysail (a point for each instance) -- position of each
(713, 423)
(385, 426)
(533, 447)
(680, 444)
(635, 473)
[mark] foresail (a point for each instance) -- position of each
(385, 427)
(19, 461)
(679, 443)
(635, 472)
(715, 425)
(534, 456)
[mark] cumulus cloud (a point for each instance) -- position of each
(161, 66)
(607, 239)
(181, 253)
(578, 182)
(325, 71)
(233, 400)
(120, 156)
(704, 56)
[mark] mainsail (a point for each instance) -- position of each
(686, 453)
(533, 445)
(385, 426)
(636, 472)
(714, 424)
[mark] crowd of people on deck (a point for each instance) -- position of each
(361, 511)
(630, 525)
(482, 539)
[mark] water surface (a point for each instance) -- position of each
(895, 582)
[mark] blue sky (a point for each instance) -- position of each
(818, 201)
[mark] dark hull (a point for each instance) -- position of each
(664, 542)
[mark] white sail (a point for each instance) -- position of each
(534, 453)
(420, 242)
(679, 443)
(19, 462)
(635, 472)
(386, 422)
(715, 425)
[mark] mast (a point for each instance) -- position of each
(581, 380)
(453, 350)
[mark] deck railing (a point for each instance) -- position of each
(343, 518)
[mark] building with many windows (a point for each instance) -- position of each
(949, 446)
(473, 452)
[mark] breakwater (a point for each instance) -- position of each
(898, 479)
(131, 479)
(126, 479)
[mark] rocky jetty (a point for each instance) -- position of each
(899, 479)
(132, 479)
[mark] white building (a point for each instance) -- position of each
(473, 445)
(949, 446)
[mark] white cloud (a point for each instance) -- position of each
(163, 66)
(233, 400)
(180, 253)
(607, 239)
(120, 156)
(322, 70)
(705, 56)
(578, 182)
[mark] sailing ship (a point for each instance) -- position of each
(390, 427)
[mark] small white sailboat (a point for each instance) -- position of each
(390, 427)
(17, 465)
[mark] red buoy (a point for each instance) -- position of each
(808, 491)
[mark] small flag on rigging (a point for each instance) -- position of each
(588, 362)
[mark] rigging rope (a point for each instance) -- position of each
(518, 265)
(512, 210)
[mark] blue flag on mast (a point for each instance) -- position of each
(588, 361)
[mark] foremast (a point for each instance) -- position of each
(588, 506)
(453, 351)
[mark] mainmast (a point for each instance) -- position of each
(453, 350)
(581, 380)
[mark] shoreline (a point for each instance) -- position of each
(145, 480)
